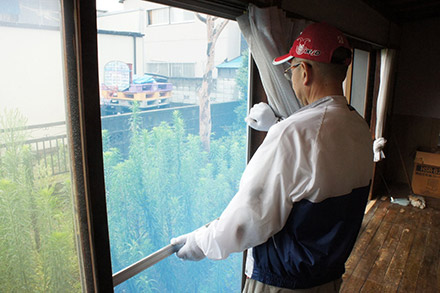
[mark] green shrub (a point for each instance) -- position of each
(166, 187)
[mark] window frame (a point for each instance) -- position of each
(171, 68)
(373, 78)
(229, 9)
(79, 35)
(169, 12)
(149, 16)
(85, 143)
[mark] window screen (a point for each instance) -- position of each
(163, 177)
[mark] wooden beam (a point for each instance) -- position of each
(353, 17)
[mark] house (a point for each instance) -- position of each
(154, 39)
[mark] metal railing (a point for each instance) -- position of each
(48, 150)
(51, 152)
(134, 269)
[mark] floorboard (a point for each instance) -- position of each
(397, 250)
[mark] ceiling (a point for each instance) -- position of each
(403, 11)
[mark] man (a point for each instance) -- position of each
(302, 196)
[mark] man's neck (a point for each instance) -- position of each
(324, 91)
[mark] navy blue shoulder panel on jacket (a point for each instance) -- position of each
(314, 244)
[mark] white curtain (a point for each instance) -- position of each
(387, 61)
(269, 34)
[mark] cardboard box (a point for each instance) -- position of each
(426, 175)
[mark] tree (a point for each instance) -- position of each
(242, 76)
(213, 31)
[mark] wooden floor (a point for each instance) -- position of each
(398, 250)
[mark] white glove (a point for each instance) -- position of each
(261, 117)
(190, 250)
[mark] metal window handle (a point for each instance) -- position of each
(134, 269)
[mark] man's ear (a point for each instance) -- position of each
(307, 73)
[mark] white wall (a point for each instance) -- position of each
(119, 48)
(173, 43)
(128, 21)
(31, 73)
(187, 42)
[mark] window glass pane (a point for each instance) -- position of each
(163, 177)
(182, 70)
(180, 15)
(33, 12)
(359, 81)
(157, 68)
(159, 16)
(37, 248)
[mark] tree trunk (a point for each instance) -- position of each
(205, 90)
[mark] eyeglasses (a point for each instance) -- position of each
(292, 67)
(287, 73)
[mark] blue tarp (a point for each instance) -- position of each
(143, 79)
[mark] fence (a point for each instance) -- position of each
(118, 126)
(50, 150)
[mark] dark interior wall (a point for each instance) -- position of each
(415, 121)
(418, 72)
(408, 134)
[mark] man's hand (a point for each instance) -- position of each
(190, 250)
(261, 117)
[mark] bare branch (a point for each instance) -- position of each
(200, 17)
(219, 29)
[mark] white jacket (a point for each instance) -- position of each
(323, 150)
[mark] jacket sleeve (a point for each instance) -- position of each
(264, 200)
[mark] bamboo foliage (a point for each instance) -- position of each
(169, 185)
(56, 258)
(37, 250)
(17, 254)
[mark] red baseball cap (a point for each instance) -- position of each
(317, 42)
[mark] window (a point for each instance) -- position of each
(158, 16)
(359, 80)
(31, 12)
(39, 97)
(37, 244)
(169, 15)
(182, 69)
(164, 176)
(172, 69)
(158, 68)
(179, 15)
